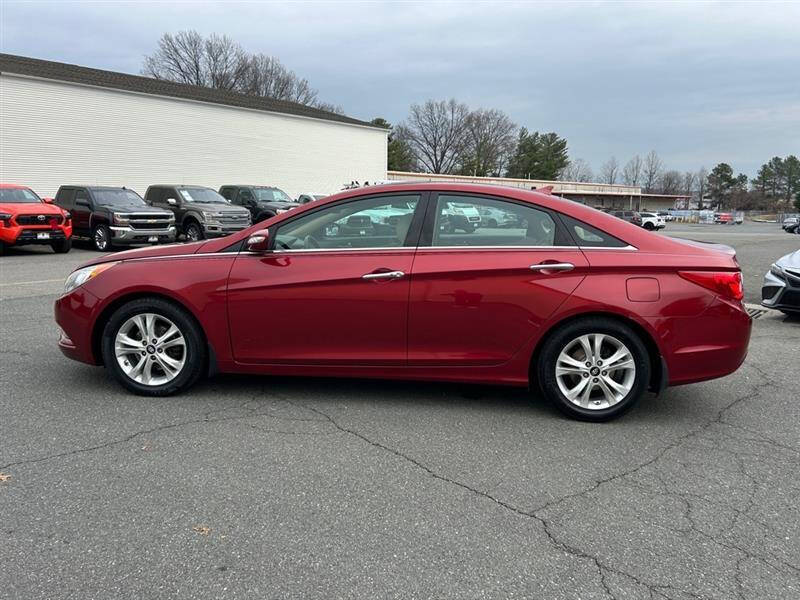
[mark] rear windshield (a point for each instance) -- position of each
(203, 195)
(272, 195)
(18, 196)
(118, 198)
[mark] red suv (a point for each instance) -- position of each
(591, 309)
(27, 219)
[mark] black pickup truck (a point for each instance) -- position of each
(112, 216)
(262, 201)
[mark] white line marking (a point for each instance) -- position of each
(32, 282)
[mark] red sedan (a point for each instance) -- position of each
(27, 219)
(376, 282)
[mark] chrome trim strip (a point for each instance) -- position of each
(552, 267)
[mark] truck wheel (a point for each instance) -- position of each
(194, 233)
(101, 238)
(61, 246)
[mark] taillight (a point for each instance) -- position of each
(725, 283)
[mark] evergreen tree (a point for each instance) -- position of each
(538, 156)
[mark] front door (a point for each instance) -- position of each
(334, 289)
(482, 288)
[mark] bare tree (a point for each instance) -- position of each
(632, 173)
(490, 138)
(437, 133)
(577, 170)
(702, 185)
(670, 182)
(219, 62)
(689, 179)
(610, 171)
(187, 57)
(652, 171)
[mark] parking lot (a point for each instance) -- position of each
(269, 488)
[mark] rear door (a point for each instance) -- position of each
(334, 289)
(478, 296)
(82, 213)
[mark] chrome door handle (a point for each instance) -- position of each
(387, 275)
(552, 267)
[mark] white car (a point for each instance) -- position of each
(306, 198)
(668, 217)
(651, 221)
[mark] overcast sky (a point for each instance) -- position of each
(700, 83)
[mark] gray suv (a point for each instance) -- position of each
(200, 212)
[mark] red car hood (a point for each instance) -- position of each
(33, 208)
(149, 252)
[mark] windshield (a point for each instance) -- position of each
(118, 198)
(18, 196)
(272, 195)
(203, 195)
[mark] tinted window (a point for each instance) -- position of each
(65, 197)
(81, 195)
(244, 196)
(227, 192)
(155, 196)
(474, 221)
(381, 222)
(18, 196)
(586, 235)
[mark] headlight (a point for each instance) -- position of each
(212, 215)
(121, 219)
(777, 271)
(5, 218)
(81, 276)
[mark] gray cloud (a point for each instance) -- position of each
(699, 83)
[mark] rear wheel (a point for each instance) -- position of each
(153, 347)
(594, 369)
(61, 246)
(649, 226)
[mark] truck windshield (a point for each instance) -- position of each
(18, 196)
(272, 195)
(202, 195)
(118, 197)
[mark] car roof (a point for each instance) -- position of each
(13, 186)
(180, 185)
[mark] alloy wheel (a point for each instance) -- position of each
(595, 371)
(150, 349)
(100, 238)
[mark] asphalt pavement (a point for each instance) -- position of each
(251, 487)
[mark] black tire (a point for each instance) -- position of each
(562, 337)
(101, 238)
(195, 363)
(62, 246)
(649, 226)
(492, 223)
(193, 231)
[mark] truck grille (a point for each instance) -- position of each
(150, 221)
(243, 219)
(38, 219)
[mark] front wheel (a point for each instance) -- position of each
(649, 226)
(594, 369)
(101, 237)
(62, 246)
(194, 233)
(153, 347)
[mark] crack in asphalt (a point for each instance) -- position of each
(206, 418)
(600, 566)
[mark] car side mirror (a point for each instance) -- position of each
(172, 202)
(48, 200)
(259, 241)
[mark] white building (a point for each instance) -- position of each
(64, 124)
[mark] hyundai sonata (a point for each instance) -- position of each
(591, 309)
